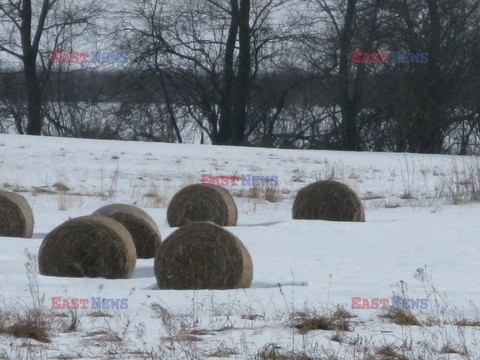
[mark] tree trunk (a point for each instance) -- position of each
(243, 77)
(225, 129)
(434, 117)
(236, 86)
(34, 99)
(171, 113)
(34, 94)
(349, 113)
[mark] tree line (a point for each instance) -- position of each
(273, 73)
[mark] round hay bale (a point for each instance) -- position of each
(203, 255)
(328, 200)
(16, 216)
(142, 227)
(88, 246)
(202, 203)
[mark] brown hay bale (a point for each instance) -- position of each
(142, 227)
(202, 203)
(16, 216)
(88, 246)
(203, 255)
(328, 200)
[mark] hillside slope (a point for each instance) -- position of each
(420, 237)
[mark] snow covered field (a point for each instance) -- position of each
(421, 239)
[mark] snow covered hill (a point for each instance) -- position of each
(420, 241)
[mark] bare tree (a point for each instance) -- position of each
(354, 24)
(24, 25)
(209, 54)
(435, 100)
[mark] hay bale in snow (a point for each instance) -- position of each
(202, 203)
(142, 227)
(89, 246)
(16, 216)
(203, 255)
(328, 200)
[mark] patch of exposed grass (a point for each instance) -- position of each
(268, 193)
(392, 205)
(223, 351)
(66, 357)
(275, 352)
(338, 336)
(271, 194)
(372, 196)
(462, 186)
(155, 199)
(63, 201)
(389, 352)
(467, 322)
(401, 317)
(103, 336)
(452, 349)
(341, 313)
(310, 320)
(29, 323)
(407, 196)
(99, 314)
(188, 338)
(59, 186)
(254, 193)
(73, 324)
(252, 317)
(41, 191)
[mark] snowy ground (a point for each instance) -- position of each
(421, 237)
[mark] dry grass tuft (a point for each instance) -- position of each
(272, 194)
(103, 336)
(275, 352)
(223, 351)
(30, 323)
(155, 199)
(59, 186)
(72, 324)
(268, 193)
(388, 352)
(252, 317)
(462, 185)
(311, 320)
(254, 192)
(467, 322)
(401, 317)
(99, 314)
(339, 337)
(341, 313)
(407, 196)
(452, 349)
(41, 191)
